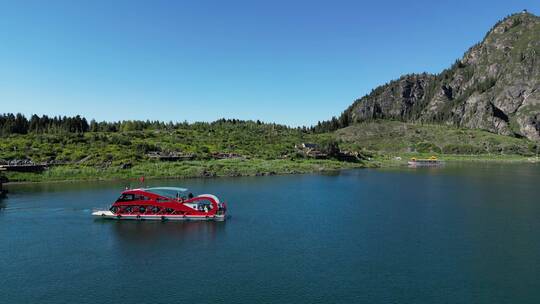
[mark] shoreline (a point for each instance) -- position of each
(239, 168)
(166, 177)
(183, 170)
(394, 160)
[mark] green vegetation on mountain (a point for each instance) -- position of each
(248, 139)
(394, 137)
(256, 149)
(125, 150)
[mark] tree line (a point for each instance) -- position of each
(335, 123)
(20, 124)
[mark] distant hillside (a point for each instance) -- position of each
(494, 87)
(399, 137)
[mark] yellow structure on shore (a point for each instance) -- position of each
(431, 161)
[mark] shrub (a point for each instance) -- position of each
(427, 147)
(462, 149)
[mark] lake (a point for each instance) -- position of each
(465, 233)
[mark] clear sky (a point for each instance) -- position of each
(291, 62)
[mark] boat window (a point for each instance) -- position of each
(126, 198)
(204, 205)
(131, 197)
(170, 192)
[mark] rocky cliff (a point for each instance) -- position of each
(495, 86)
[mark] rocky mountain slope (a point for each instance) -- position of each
(494, 87)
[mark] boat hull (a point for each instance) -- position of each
(106, 214)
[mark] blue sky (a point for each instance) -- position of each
(291, 62)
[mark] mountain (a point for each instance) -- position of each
(495, 86)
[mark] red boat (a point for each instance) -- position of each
(164, 203)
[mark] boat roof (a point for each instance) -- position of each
(165, 191)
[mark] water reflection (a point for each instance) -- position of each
(66, 187)
(332, 173)
(151, 231)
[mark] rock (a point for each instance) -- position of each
(126, 166)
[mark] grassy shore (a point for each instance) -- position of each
(239, 167)
(400, 159)
(187, 169)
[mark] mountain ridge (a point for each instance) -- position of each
(495, 86)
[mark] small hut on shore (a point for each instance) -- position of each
(311, 150)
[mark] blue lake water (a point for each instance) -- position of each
(459, 234)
